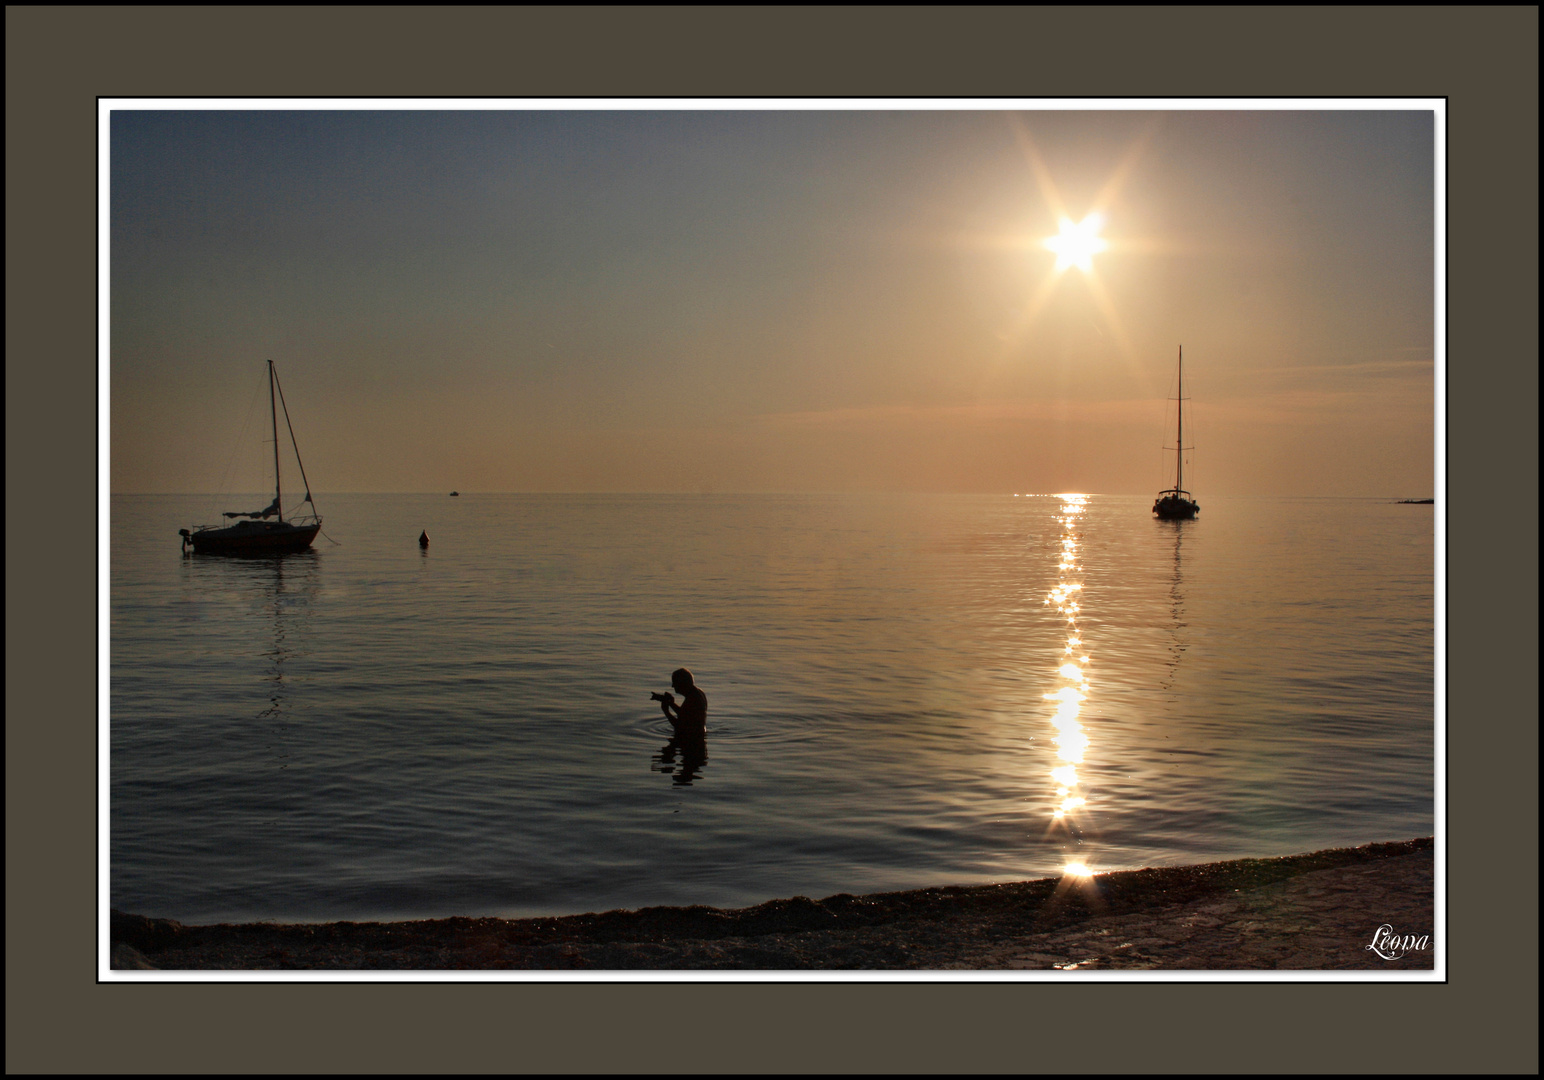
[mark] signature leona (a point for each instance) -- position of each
(1392, 946)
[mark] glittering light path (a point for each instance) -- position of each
(1070, 740)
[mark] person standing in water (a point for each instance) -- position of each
(690, 718)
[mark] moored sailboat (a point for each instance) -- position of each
(267, 531)
(1176, 503)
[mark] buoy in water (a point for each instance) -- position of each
(423, 539)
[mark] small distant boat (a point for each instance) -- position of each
(1175, 503)
(455, 493)
(266, 531)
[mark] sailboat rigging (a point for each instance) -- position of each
(256, 534)
(1176, 503)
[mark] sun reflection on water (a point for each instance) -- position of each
(1070, 740)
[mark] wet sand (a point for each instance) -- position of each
(1317, 911)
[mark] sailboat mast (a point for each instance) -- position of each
(273, 416)
(1179, 435)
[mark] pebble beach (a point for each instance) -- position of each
(1319, 911)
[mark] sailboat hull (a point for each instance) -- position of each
(1173, 506)
(255, 538)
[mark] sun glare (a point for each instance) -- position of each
(1077, 244)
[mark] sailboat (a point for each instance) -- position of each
(1175, 503)
(266, 531)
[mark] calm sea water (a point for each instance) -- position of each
(903, 691)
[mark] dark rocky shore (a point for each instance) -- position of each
(1318, 911)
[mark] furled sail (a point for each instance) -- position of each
(269, 511)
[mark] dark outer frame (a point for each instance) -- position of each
(60, 1019)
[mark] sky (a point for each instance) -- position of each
(753, 299)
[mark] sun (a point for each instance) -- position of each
(1078, 243)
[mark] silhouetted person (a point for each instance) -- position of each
(690, 718)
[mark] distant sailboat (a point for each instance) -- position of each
(258, 535)
(1176, 503)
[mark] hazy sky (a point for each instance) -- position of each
(773, 300)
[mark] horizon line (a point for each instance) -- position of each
(714, 493)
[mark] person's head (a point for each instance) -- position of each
(681, 680)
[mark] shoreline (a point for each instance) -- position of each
(1315, 911)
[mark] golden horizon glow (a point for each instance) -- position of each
(1000, 373)
(1077, 244)
(1077, 869)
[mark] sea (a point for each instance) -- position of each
(904, 691)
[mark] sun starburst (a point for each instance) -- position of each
(1077, 244)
